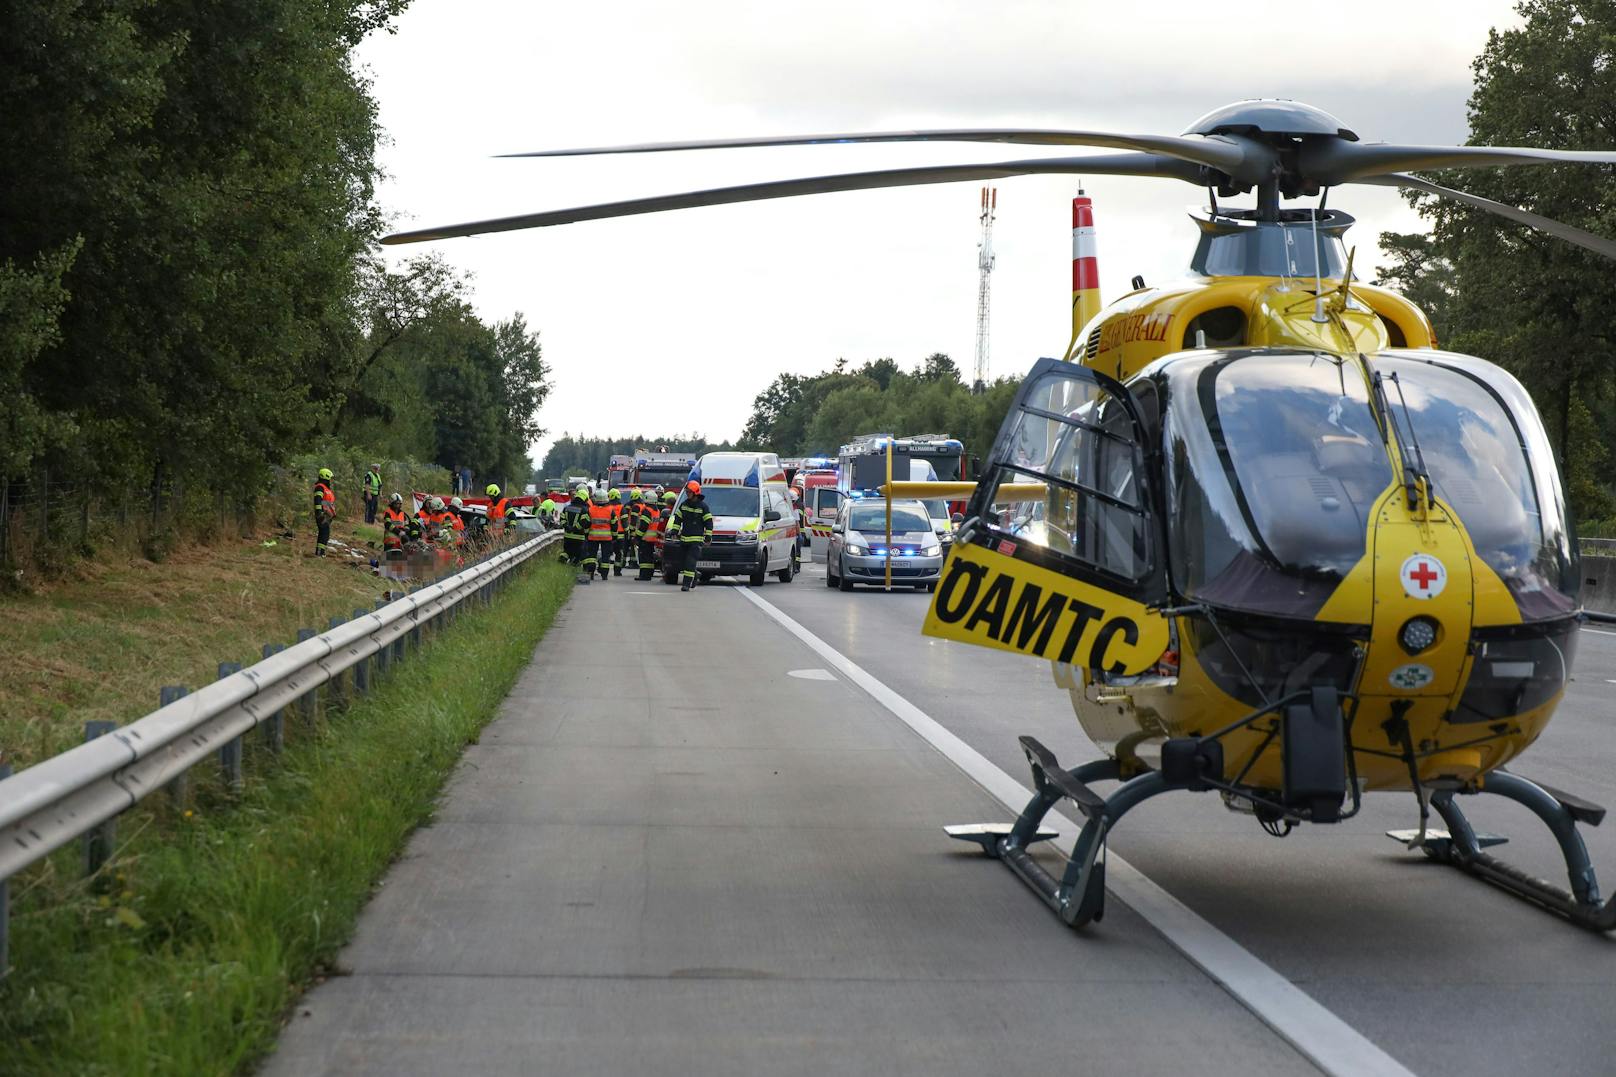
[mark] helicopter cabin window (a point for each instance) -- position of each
(1476, 452)
(1067, 482)
(1275, 463)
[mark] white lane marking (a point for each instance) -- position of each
(811, 674)
(1323, 1038)
(1597, 631)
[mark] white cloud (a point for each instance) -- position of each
(672, 322)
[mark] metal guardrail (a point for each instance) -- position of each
(76, 793)
(1597, 545)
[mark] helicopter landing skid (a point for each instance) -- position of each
(1463, 848)
(1078, 896)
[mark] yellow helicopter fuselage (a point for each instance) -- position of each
(1130, 716)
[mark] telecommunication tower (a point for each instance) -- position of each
(984, 265)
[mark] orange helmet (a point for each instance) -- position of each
(692, 487)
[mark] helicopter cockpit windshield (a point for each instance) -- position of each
(1491, 463)
(1274, 463)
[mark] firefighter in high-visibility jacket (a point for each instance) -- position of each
(629, 532)
(649, 535)
(598, 539)
(614, 501)
(325, 510)
(692, 525)
(575, 529)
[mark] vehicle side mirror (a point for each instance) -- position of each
(958, 518)
(770, 515)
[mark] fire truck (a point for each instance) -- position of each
(619, 470)
(662, 468)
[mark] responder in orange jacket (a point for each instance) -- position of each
(325, 510)
(457, 520)
(614, 501)
(497, 507)
(598, 539)
(649, 534)
(395, 522)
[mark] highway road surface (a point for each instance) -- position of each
(703, 836)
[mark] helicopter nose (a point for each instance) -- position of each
(1420, 630)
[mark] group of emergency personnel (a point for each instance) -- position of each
(602, 534)
(436, 526)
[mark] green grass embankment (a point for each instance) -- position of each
(186, 951)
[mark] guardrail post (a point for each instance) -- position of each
(307, 701)
(180, 786)
(275, 724)
(385, 650)
(99, 839)
(230, 750)
(361, 672)
(415, 632)
(335, 689)
(5, 904)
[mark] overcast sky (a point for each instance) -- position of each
(672, 323)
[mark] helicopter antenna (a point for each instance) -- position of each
(984, 287)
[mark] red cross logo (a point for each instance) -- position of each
(1423, 576)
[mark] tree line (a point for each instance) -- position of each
(1538, 306)
(578, 455)
(813, 415)
(188, 286)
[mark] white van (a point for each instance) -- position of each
(754, 525)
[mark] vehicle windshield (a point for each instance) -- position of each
(936, 508)
(1489, 462)
(663, 476)
(872, 516)
(1275, 464)
(744, 501)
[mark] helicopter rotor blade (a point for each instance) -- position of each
(1224, 154)
(1334, 161)
(1586, 240)
(1116, 164)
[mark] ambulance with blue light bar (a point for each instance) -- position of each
(754, 525)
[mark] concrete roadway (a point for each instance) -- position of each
(659, 863)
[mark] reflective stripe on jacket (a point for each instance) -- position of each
(693, 521)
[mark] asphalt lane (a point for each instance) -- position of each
(685, 847)
(1447, 974)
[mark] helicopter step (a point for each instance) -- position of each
(1078, 895)
(1460, 846)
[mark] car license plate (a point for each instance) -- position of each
(707, 564)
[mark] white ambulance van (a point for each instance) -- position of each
(754, 525)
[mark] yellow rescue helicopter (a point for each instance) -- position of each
(1275, 544)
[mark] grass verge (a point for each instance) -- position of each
(101, 642)
(184, 953)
